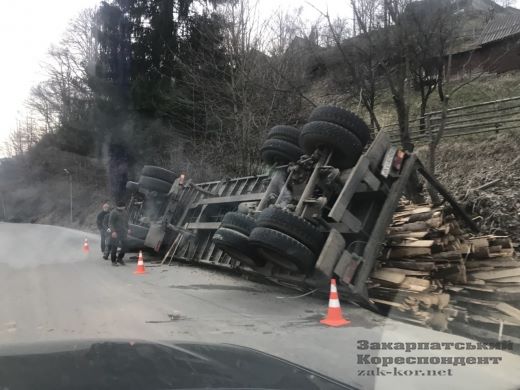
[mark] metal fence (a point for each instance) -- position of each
(493, 116)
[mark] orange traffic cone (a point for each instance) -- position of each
(334, 316)
(140, 264)
(86, 248)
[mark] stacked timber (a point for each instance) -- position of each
(433, 273)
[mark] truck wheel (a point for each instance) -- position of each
(292, 225)
(343, 118)
(279, 151)
(282, 250)
(159, 173)
(345, 146)
(132, 187)
(237, 246)
(153, 184)
(240, 222)
(137, 231)
(285, 133)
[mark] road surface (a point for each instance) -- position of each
(51, 290)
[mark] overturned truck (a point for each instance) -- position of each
(320, 212)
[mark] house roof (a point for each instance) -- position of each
(499, 28)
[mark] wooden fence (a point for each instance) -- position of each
(494, 116)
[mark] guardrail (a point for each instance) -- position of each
(497, 115)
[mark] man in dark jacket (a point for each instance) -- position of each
(101, 222)
(118, 225)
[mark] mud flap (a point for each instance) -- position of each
(155, 237)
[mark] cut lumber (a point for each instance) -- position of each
(396, 236)
(503, 273)
(495, 263)
(414, 243)
(412, 265)
(409, 227)
(509, 310)
(451, 255)
(491, 319)
(397, 253)
(399, 306)
(389, 276)
(510, 279)
(415, 284)
(409, 272)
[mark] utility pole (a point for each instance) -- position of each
(70, 191)
(3, 207)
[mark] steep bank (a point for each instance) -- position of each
(493, 161)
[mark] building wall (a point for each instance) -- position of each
(494, 57)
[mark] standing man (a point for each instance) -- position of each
(102, 227)
(118, 225)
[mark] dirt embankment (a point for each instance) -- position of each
(36, 189)
(483, 171)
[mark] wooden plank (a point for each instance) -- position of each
(411, 265)
(418, 210)
(409, 227)
(399, 306)
(493, 263)
(494, 319)
(415, 284)
(509, 310)
(409, 272)
(397, 253)
(388, 276)
(415, 244)
(511, 279)
(503, 273)
(417, 235)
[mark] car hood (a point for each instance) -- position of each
(129, 364)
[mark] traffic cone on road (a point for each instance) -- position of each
(334, 316)
(140, 264)
(86, 248)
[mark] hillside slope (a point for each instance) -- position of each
(467, 163)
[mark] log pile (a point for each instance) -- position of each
(433, 273)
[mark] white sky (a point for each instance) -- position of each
(33, 25)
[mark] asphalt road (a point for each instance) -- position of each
(51, 290)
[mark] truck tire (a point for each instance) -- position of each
(153, 184)
(240, 222)
(137, 231)
(345, 146)
(343, 118)
(132, 187)
(285, 133)
(237, 246)
(292, 225)
(282, 250)
(279, 151)
(159, 173)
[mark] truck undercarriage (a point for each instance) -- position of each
(321, 212)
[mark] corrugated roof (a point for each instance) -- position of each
(500, 28)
